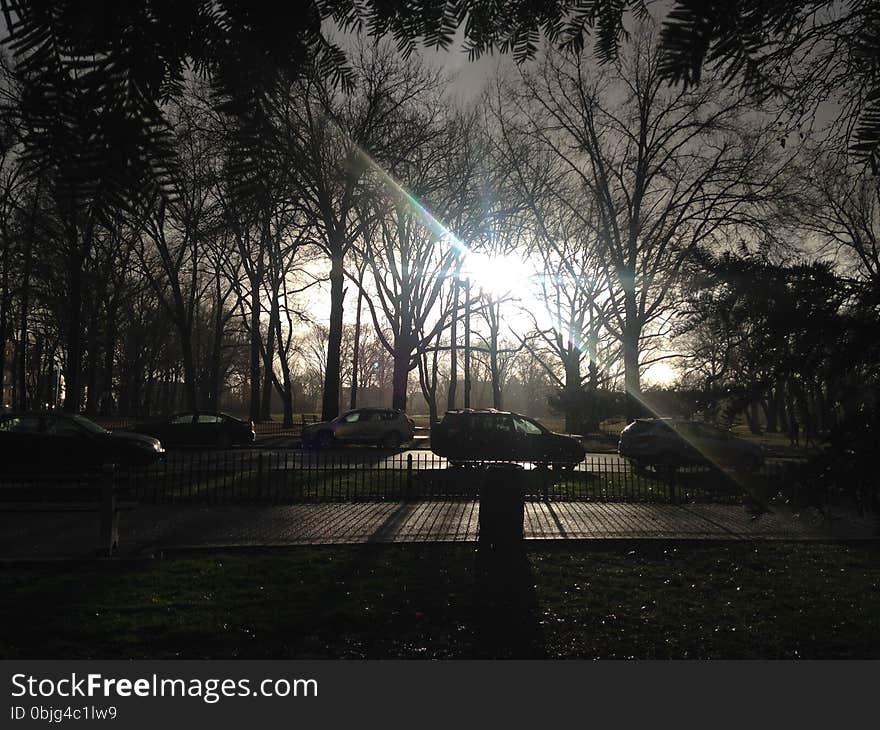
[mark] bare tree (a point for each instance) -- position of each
(842, 206)
(336, 138)
(667, 170)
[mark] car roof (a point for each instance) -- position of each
(371, 408)
(666, 419)
(461, 411)
(477, 411)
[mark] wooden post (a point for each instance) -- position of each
(109, 536)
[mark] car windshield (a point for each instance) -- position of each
(525, 426)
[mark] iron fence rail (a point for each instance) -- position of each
(288, 477)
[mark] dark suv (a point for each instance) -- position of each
(675, 442)
(489, 435)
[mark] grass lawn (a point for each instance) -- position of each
(608, 600)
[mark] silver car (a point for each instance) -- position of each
(384, 427)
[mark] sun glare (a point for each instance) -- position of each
(660, 373)
(498, 275)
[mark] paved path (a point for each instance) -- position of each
(149, 530)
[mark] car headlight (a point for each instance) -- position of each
(147, 446)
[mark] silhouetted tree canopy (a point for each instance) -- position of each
(114, 64)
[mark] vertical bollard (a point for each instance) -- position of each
(502, 509)
(109, 535)
(409, 477)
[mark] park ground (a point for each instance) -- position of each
(617, 599)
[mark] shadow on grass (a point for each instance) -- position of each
(505, 606)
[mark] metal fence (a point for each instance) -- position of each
(289, 477)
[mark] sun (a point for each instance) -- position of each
(498, 275)
(660, 373)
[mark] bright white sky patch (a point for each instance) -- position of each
(660, 373)
(498, 275)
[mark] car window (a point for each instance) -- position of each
(478, 423)
(352, 417)
(182, 418)
(209, 418)
(503, 424)
(21, 424)
(524, 426)
(376, 416)
(63, 427)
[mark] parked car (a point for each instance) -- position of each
(201, 428)
(488, 435)
(376, 426)
(56, 441)
(675, 442)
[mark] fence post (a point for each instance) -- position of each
(409, 477)
(109, 535)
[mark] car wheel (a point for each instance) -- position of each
(392, 440)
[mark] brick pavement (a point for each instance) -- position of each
(148, 530)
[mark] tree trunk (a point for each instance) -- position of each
(73, 364)
(330, 400)
(189, 369)
(632, 380)
(467, 345)
(403, 347)
(494, 368)
(107, 400)
(92, 394)
(255, 354)
(5, 301)
(355, 358)
(287, 392)
(268, 377)
(21, 361)
(213, 394)
(453, 352)
(771, 412)
(752, 417)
